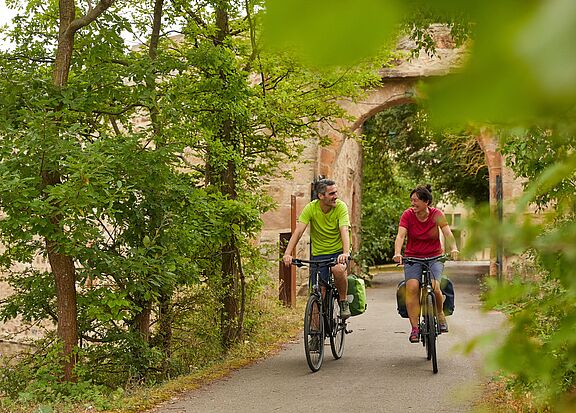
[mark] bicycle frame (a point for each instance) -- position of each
(322, 308)
(428, 316)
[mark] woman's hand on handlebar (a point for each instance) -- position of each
(287, 260)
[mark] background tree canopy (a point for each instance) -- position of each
(137, 171)
(402, 151)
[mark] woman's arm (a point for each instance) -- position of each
(450, 240)
(398, 243)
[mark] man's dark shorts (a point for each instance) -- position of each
(325, 270)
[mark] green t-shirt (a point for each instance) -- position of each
(325, 228)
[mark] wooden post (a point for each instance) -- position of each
(287, 288)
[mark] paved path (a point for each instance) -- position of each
(379, 372)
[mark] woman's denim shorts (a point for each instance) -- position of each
(413, 270)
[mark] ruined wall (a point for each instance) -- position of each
(340, 161)
(13, 331)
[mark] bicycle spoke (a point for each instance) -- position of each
(432, 333)
(314, 333)
(337, 329)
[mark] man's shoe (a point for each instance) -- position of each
(443, 326)
(414, 335)
(344, 310)
(314, 343)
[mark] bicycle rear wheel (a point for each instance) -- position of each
(337, 329)
(431, 332)
(314, 333)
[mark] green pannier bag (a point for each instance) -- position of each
(356, 295)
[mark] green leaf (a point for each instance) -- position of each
(331, 32)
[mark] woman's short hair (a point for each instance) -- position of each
(423, 192)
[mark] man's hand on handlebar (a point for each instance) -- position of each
(397, 258)
(343, 258)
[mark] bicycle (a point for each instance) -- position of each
(322, 315)
(428, 318)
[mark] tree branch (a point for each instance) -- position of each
(90, 16)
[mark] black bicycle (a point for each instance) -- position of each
(322, 317)
(428, 317)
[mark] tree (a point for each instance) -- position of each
(149, 210)
(258, 110)
(112, 194)
(449, 159)
(62, 263)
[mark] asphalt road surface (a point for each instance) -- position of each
(381, 371)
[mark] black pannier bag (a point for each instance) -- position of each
(446, 286)
(401, 299)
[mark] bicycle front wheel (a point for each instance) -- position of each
(314, 333)
(431, 327)
(337, 329)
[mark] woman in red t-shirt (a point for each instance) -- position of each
(422, 223)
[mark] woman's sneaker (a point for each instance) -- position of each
(414, 335)
(443, 326)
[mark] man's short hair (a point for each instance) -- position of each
(322, 184)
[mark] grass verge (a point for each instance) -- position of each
(281, 325)
(498, 398)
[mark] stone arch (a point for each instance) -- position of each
(342, 158)
(393, 92)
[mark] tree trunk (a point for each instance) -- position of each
(241, 312)
(230, 328)
(229, 315)
(165, 320)
(63, 265)
(153, 53)
(65, 277)
(165, 313)
(141, 322)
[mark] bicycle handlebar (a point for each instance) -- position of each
(441, 258)
(329, 262)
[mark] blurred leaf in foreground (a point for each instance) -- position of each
(522, 65)
(335, 32)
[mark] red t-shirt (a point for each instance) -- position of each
(423, 237)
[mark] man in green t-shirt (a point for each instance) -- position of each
(329, 234)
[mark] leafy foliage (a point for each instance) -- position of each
(519, 74)
(157, 157)
(382, 205)
(451, 160)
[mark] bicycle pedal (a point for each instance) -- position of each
(348, 331)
